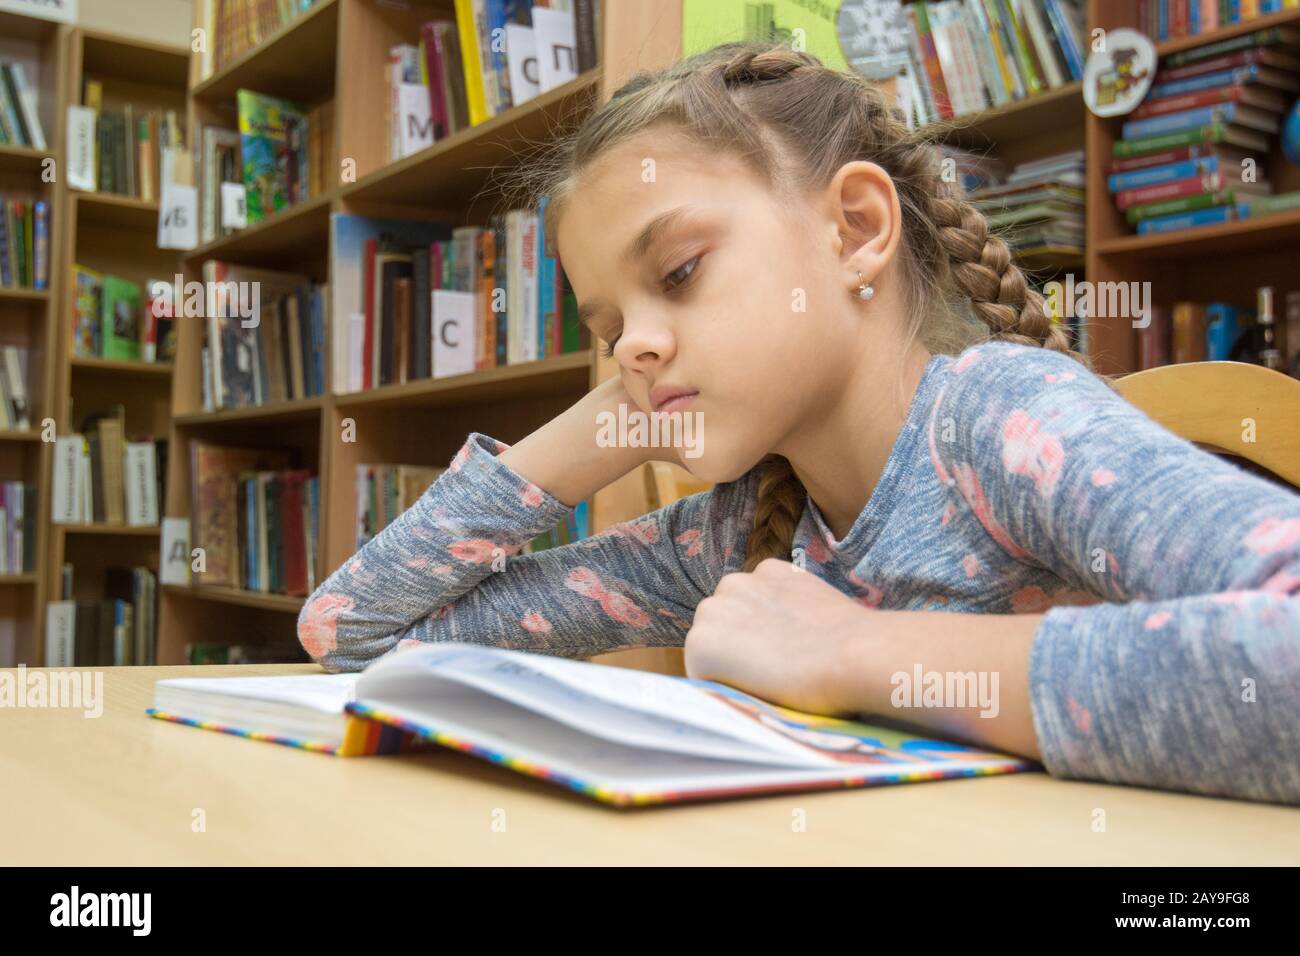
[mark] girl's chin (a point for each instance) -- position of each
(716, 469)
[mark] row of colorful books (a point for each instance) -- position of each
(265, 336)
(129, 145)
(495, 55)
(233, 27)
(115, 318)
(1224, 331)
(15, 398)
(279, 154)
(415, 300)
(20, 115)
(103, 476)
(24, 244)
(256, 519)
(17, 527)
(1193, 152)
(968, 55)
(121, 629)
(1171, 19)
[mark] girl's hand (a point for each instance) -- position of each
(781, 634)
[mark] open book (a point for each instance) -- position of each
(622, 736)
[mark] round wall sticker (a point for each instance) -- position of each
(1117, 77)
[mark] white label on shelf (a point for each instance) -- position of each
(64, 11)
(174, 558)
(178, 217)
(453, 333)
(234, 208)
(557, 50)
(81, 148)
(521, 58)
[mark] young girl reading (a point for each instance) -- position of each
(895, 428)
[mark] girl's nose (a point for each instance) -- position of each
(645, 345)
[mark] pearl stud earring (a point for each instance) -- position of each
(865, 291)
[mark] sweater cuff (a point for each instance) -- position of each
(488, 496)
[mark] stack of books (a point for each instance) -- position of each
(969, 55)
(102, 476)
(1171, 19)
(129, 145)
(495, 55)
(24, 244)
(114, 318)
(15, 401)
(256, 519)
(1193, 153)
(236, 26)
(265, 337)
(17, 527)
(20, 116)
(120, 629)
(421, 300)
(1039, 209)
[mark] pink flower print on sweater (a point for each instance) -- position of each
(474, 550)
(969, 485)
(534, 623)
(462, 456)
(690, 539)
(318, 631)
(644, 531)
(1029, 450)
(1273, 534)
(618, 607)
(531, 496)
(871, 595)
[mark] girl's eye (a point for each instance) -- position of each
(608, 350)
(681, 274)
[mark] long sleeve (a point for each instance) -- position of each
(449, 569)
(1187, 676)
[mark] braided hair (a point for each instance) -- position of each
(796, 122)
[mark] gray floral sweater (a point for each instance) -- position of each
(1169, 655)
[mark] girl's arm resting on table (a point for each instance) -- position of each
(448, 569)
(1188, 678)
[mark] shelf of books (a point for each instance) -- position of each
(125, 100)
(31, 71)
(1193, 202)
(316, 399)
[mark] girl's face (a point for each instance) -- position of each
(719, 298)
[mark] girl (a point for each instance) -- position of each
(894, 427)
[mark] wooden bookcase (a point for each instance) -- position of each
(27, 316)
(1227, 262)
(111, 234)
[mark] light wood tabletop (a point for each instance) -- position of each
(126, 789)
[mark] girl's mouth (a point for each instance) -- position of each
(669, 398)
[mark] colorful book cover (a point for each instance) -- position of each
(271, 135)
(120, 318)
(87, 289)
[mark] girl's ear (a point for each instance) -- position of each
(865, 211)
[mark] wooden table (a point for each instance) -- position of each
(124, 789)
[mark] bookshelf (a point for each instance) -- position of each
(335, 54)
(1225, 262)
(112, 234)
(28, 318)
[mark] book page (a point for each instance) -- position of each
(325, 693)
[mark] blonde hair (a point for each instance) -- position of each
(796, 122)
